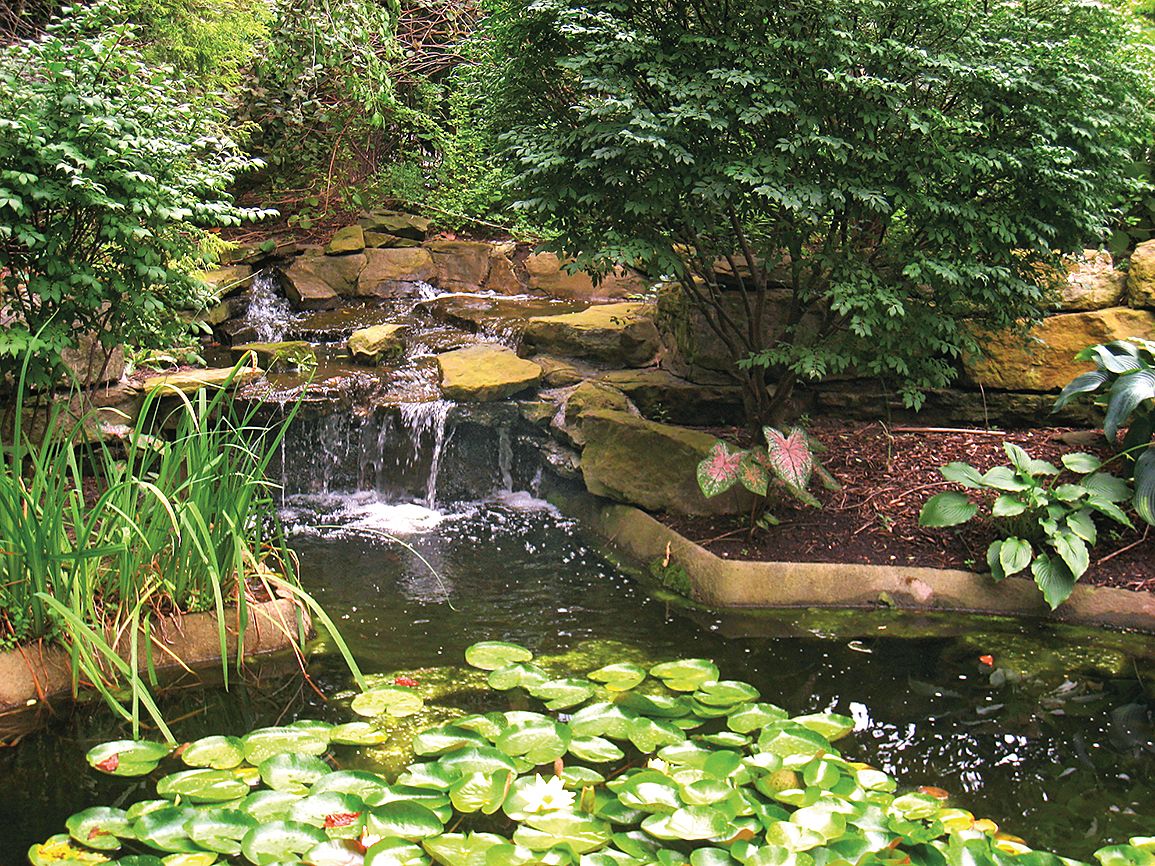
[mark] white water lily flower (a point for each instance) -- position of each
(547, 795)
(658, 764)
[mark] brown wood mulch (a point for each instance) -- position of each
(887, 474)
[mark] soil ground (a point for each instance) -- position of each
(887, 474)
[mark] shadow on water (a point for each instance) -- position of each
(1054, 741)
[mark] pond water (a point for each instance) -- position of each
(1053, 741)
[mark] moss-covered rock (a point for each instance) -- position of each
(619, 334)
(587, 397)
(397, 223)
(485, 372)
(373, 344)
(654, 466)
(350, 239)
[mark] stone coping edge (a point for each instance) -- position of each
(38, 674)
(724, 583)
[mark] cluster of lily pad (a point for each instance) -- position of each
(625, 766)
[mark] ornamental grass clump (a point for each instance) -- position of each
(623, 766)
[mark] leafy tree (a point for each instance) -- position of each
(111, 172)
(838, 185)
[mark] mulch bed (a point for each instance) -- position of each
(887, 474)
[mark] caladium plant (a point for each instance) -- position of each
(786, 462)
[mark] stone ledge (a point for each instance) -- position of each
(39, 675)
(725, 583)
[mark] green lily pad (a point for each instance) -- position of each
(690, 823)
(292, 773)
(217, 753)
(357, 734)
(142, 860)
(753, 717)
(189, 858)
(278, 841)
(435, 801)
(220, 830)
(394, 701)
(143, 807)
(655, 706)
(127, 757)
(263, 743)
(516, 676)
(165, 831)
(459, 849)
(403, 819)
(602, 720)
(268, 806)
(335, 852)
(725, 693)
(446, 738)
(539, 741)
(368, 787)
(339, 814)
(203, 786)
(619, 677)
(480, 792)
(100, 827)
(396, 852)
(830, 725)
(710, 857)
(490, 655)
(648, 735)
(433, 775)
(595, 749)
(685, 675)
(581, 833)
(489, 725)
(650, 791)
(576, 778)
(562, 694)
(790, 738)
(474, 759)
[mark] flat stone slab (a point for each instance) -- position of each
(191, 381)
(618, 334)
(372, 344)
(485, 372)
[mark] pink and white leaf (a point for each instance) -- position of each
(718, 472)
(790, 457)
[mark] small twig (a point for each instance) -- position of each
(1133, 544)
(710, 541)
(969, 430)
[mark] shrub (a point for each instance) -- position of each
(110, 173)
(873, 178)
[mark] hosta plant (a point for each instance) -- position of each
(669, 765)
(786, 462)
(1125, 383)
(1045, 516)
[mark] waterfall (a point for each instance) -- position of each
(425, 419)
(268, 313)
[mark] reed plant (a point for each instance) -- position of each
(100, 538)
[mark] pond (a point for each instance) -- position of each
(1053, 740)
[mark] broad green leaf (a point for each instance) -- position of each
(203, 786)
(337, 852)
(404, 820)
(963, 474)
(1007, 505)
(538, 741)
(220, 830)
(1073, 551)
(1004, 478)
(396, 852)
(685, 675)
(947, 509)
(368, 787)
(581, 833)
(279, 841)
(516, 675)
(648, 735)
(1081, 462)
(395, 701)
(1144, 473)
(1054, 579)
(595, 750)
(753, 717)
(357, 734)
(263, 743)
(292, 773)
(268, 806)
(127, 757)
(218, 753)
(342, 815)
(561, 694)
(1129, 390)
(491, 655)
(484, 792)
(725, 693)
(832, 726)
(473, 759)
(100, 827)
(459, 849)
(690, 823)
(1103, 485)
(164, 829)
(446, 738)
(1015, 554)
(619, 677)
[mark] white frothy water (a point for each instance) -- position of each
(362, 512)
(428, 419)
(268, 313)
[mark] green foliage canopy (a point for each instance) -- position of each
(111, 170)
(876, 176)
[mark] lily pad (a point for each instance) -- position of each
(515, 676)
(165, 831)
(127, 757)
(459, 849)
(474, 759)
(340, 814)
(725, 693)
(100, 827)
(539, 741)
(368, 787)
(203, 786)
(292, 773)
(217, 753)
(480, 792)
(580, 833)
(830, 725)
(492, 654)
(619, 677)
(268, 805)
(278, 841)
(395, 701)
(446, 738)
(562, 694)
(336, 852)
(689, 823)
(597, 750)
(357, 734)
(753, 717)
(685, 675)
(396, 852)
(220, 830)
(263, 743)
(404, 820)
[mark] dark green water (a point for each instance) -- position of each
(1056, 744)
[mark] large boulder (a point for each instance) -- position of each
(462, 266)
(89, 364)
(1046, 361)
(651, 465)
(379, 240)
(662, 396)
(396, 223)
(503, 277)
(350, 239)
(485, 372)
(371, 345)
(191, 381)
(547, 273)
(1141, 276)
(585, 398)
(228, 280)
(317, 282)
(393, 272)
(618, 334)
(1091, 283)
